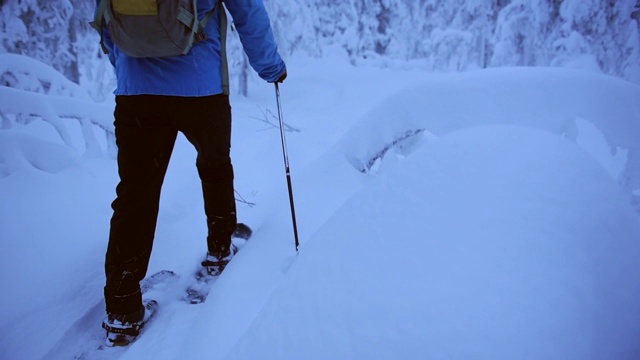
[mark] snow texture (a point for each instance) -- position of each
(474, 246)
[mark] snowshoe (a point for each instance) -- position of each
(213, 265)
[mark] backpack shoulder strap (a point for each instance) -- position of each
(223, 40)
(205, 19)
(98, 23)
(223, 49)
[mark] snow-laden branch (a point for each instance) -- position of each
(31, 90)
(401, 142)
(25, 73)
(53, 109)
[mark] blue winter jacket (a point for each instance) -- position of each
(199, 73)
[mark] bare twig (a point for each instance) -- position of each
(270, 119)
(239, 198)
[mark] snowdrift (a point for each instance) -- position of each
(488, 243)
(550, 99)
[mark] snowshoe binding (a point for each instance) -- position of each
(122, 330)
(215, 263)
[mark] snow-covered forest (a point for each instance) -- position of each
(438, 35)
(430, 35)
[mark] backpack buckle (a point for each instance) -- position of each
(200, 36)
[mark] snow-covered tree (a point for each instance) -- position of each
(439, 35)
(521, 34)
(47, 35)
(459, 39)
(604, 30)
(47, 30)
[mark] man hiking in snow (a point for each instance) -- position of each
(157, 97)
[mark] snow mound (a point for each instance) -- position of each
(23, 152)
(489, 242)
(560, 101)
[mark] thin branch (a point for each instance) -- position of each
(272, 120)
(239, 198)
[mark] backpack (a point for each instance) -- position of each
(154, 28)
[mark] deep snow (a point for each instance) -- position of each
(476, 246)
(503, 229)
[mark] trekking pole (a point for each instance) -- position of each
(286, 167)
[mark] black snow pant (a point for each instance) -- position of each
(146, 127)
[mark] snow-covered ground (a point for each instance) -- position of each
(482, 215)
